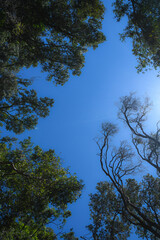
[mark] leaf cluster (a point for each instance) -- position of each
(142, 28)
(34, 190)
(21, 108)
(54, 34)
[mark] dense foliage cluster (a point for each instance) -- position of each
(34, 190)
(143, 28)
(54, 34)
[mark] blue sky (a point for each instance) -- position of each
(84, 102)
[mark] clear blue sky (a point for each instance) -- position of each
(83, 103)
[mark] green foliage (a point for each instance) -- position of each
(34, 191)
(21, 231)
(110, 217)
(106, 212)
(143, 27)
(54, 34)
(20, 108)
(69, 236)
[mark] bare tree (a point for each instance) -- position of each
(139, 210)
(134, 114)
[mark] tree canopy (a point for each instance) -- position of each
(106, 214)
(113, 218)
(34, 190)
(123, 203)
(54, 34)
(143, 28)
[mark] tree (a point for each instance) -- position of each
(69, 236)
(111, 220)
(34, 191)
(20, 110)
(54, 34)
(143, 28)
(106, 214)
(139, 201)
